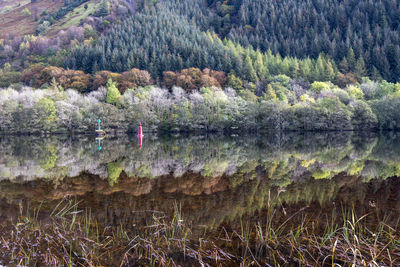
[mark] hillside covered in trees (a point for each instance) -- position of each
(287, 65)
(358, 37)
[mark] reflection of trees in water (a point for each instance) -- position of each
(284, 157)
(201, 202)
(218, 183)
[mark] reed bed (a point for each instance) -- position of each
(70, 235)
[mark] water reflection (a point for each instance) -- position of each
(219, 185)
(282, 159)
(215, 178)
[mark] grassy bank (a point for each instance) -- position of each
(70, 235)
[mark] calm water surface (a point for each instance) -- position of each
(215, 181)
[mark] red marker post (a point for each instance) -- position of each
(140, 135)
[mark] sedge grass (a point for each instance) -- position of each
(73, 236)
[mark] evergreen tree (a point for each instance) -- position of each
(344, 66)
(360, 69)
(260, 68)
(234, 82)
(248, 70)
(270, 94)
(103, 9)
(351, 59)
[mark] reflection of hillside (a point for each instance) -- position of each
(214, 177)
(220, 184)
(203, 201)
(283, 158)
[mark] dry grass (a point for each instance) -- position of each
(13, 21)
(69, 235)
(17, 23)
(73, 18)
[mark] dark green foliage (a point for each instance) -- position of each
(9, 77)
(363, 116)
(158, 39)
(347, 28)
(272, 115)
(386, 110)
(326, 113)
(357, 38)
(342, 29)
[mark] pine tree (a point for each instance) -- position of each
(375, 75)
(234, 82)
(344, 66)
(351, 59)
(294, 69)
(360, 69)
(248, 70)
(260, 68)
(270, 94)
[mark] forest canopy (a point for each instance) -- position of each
(254, 65)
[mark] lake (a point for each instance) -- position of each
(211, 200)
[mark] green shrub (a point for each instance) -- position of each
(113, 94)
(318, 87)
(26, 12)
(114, 171)
(356, 92)
(362, 116)
(8, 78)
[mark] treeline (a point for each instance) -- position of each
(362, 36)
(350, 31)
(353, 39)
(39, 76)
(284, 106)
(159, 40)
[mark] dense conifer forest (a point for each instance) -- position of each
(362, 37)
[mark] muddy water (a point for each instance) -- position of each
(214, 181)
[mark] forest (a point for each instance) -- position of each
(360, 36)
(285, 106)
(270, 132)
(205, 66)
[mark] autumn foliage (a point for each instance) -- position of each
(31, 76)
(39, 75)
(342, 80)
(100, 78)
(134, 78)
(193, 78)
(189, 79)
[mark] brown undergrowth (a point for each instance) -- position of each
(70, 235)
